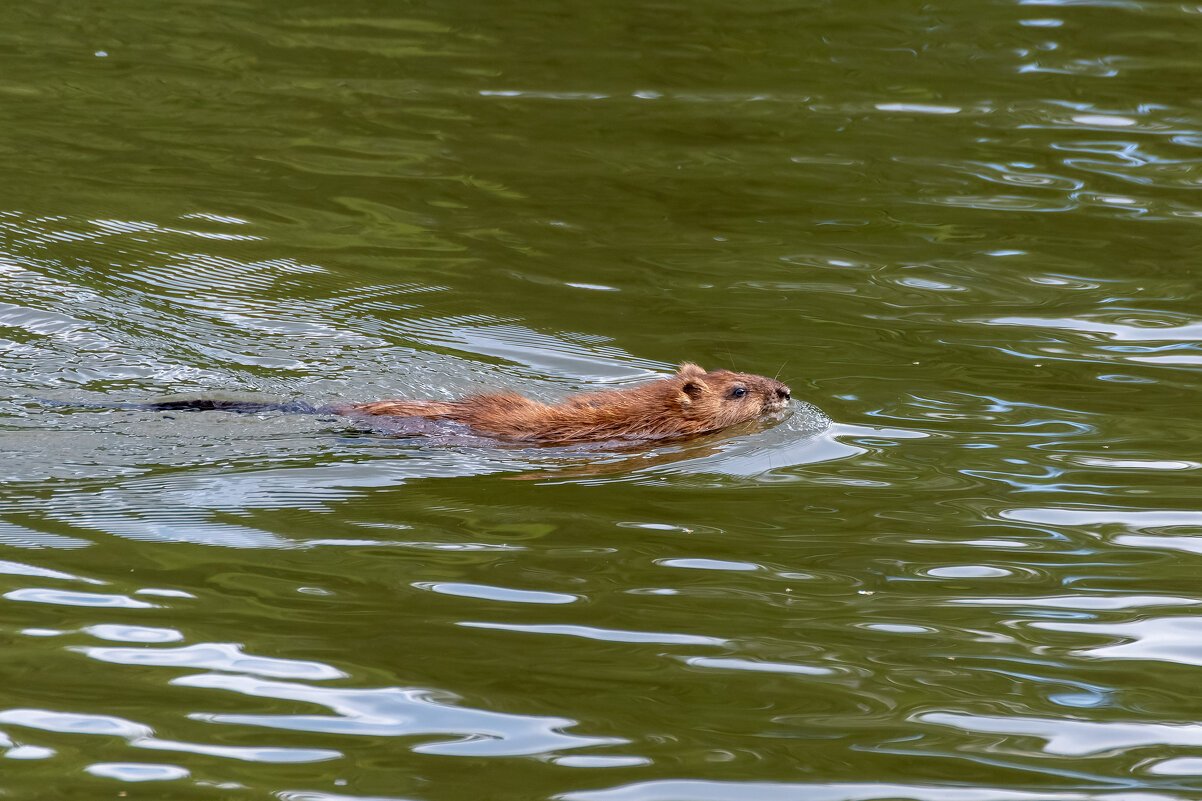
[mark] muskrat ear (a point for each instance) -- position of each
(693, 387)
(690, 370)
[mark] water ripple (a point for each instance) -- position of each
(710, 790)
(138, 735)
(214, 656)
(1073, 737)
(1164, 639)
(397, 712)
(603, 635)
(47, 595)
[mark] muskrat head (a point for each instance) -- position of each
(720, 398)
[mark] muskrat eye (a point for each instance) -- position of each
(738, 392)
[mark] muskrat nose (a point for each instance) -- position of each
(783, 393)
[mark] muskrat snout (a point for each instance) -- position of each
(774, 396)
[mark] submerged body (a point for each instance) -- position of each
(688, 404)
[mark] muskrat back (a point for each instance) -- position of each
(689, 403)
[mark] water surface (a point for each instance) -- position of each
(964, 569)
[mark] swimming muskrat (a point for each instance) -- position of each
(689, 403)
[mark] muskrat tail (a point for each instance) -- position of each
(198, 405)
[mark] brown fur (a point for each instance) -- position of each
(689, 403)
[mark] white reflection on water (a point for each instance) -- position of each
(1166, 639)
(137, 771)
(21, 569)
(700, 790)
(1132, 520)
(1085, 516)
(1179, 766)
(1073, 737)
(756, 666)
(47, 595)
(604, 635)
(399, 712)
(1119, 332)
(493, 593)
(138, 735)
(1083, 601)
(124, 632)
(214, 656)
(1131, 464)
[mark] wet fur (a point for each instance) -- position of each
(689, 403)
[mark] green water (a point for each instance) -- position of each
(964, 569)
